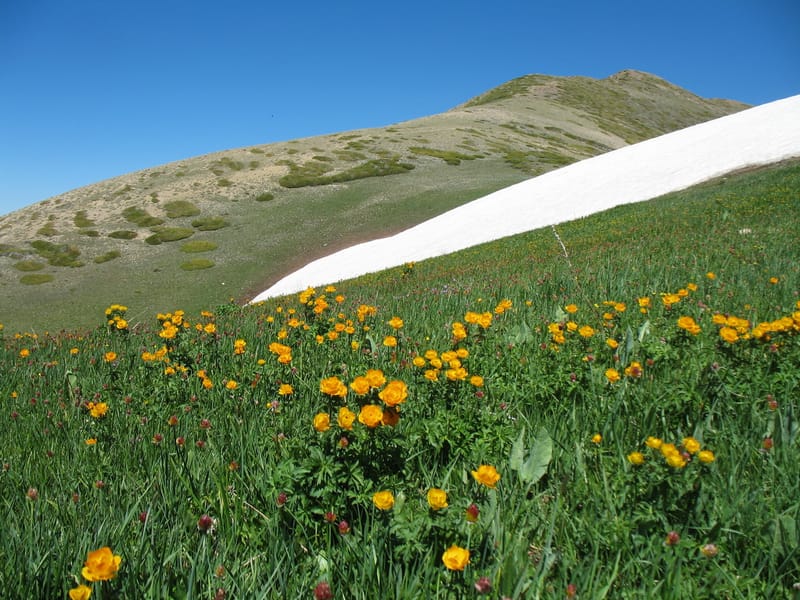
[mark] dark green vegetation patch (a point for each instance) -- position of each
(198, 246)
(181, 208)
(58, 255)
(209, 223)
(110, 255)
(81, 220)
(28, 265)
(123, 234)
(36, 278)
(168, 234)
(197, 264)
(449, 156)
(139, 216)
(265, 197)
(313, 173)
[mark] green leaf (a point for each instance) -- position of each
(517, 455)
(541, 454)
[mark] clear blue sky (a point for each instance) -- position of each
(94, 89)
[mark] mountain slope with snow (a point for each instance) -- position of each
(757, 136)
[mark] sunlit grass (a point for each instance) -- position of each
(511, 421)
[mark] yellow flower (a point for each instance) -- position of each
(676, 461)
(73, 351)
(729, 334)
(370, 415)
(773, 280)
(239, 346)
(586, 331)
(459, 331)
(322, 422)
(98, 409)
(691, 445)
(383, 500)
(653, 442)
(394, 393)
(24, 353)
(395, 323)
(390, 341)
(101, 565)
(333, 386)
(455, 558)
(91, 441)
(689, 325)
(375, 377)
(82, 592)
(636, 458)
(612, 375)
(345, 418)
(476, 380)
(571, 308)
(231, 384)
(418, 362)
(711, 275)
(486, 475)
(285, 389)
(437, 498)
(360, 385)
(706, 456)
(597, 438)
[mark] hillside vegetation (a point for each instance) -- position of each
(202, 230)
(604, 409)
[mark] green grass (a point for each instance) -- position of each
(209, 223)
(28, 265)
(264, 197)
(82, 220)
(198, 246)
(168, 234)
(58, 255)
(206, 472)
(449, 156)
(36, 278)
(123, 234)
(139, 216)
(197, 264)
(181, 208)
(108, 256)
(314, 173)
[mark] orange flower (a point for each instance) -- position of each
(345, 418)
(394, 393)
(486, 475)
(370, 415)
(101, 565)
(333, 386)
(322, 422)
(455, 558)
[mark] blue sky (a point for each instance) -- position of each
(94, 89)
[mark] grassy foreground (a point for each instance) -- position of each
(611, 417)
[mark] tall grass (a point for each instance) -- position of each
(635, 389)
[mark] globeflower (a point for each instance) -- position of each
(101, 565)
(636, 458)
(333, 386)
(455, 558)
(345, 418)
(82, 592)
(322, 422)
(706, 456)
(394, 393)
(370, 415)
(383, 500)
(437, 498)
(612, 375)
(486, 475)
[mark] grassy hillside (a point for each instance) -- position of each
(617, 420)
(197, 232)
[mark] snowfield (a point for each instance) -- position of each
(757, 136)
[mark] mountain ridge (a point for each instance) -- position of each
(190, 233)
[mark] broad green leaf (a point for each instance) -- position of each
(538, 460)
(517, 456)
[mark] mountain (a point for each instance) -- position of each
(200, 232)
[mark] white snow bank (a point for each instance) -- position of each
(671, 162)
